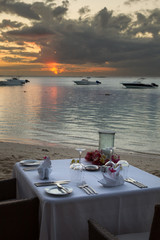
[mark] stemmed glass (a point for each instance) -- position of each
(80, 150)
(110, 153)
(77, 169)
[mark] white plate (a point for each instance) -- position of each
(30, 162)
(91, 167)
(58, 192)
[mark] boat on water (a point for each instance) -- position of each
(139, 84)
(85, 81)
(13, 82)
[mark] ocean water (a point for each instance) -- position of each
(54, 110)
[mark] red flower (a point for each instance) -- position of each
(115, 158)
(89, 156)
(96, 157)
(112, 170)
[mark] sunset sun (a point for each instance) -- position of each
(55, 68)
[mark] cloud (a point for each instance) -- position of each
(12, 60)
(11, 24)
(11, 48)
(131, 2)
(19, 8)
(128, 43)
(37, 31)
(84, 10)
(147, 24)
(59, 11)
(23, 67)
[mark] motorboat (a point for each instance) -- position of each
(139, 84)
(13, 82)
(85, 81)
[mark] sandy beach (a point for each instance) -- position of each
(10, 153)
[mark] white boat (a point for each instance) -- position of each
(13, 82)
(85, 81)
(139, 84)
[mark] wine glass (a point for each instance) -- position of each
(110, 152)
(77, 169)
(80, 150)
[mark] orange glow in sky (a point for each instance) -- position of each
(56, 68)
(100, 69)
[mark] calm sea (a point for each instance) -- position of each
(53, 110)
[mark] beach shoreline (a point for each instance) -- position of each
(10, 153)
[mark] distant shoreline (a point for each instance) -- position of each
(74, 146)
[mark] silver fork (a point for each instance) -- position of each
(84, 188)
(130, 181)
(89, 190)
(136, 183)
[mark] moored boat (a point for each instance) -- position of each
(87, 82)
(139, 84)
(13, 82)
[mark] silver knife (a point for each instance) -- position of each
(41, 184)
(59, 186)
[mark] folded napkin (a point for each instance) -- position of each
(112, 177)
(76, 166)
(45, 169)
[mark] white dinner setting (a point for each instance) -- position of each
(97, 185)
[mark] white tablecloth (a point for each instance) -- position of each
(121, 209)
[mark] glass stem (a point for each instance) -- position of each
(80, 156)
(110, 155)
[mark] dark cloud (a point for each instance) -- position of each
(12, 60)
(147, 24)
(50, 1)
(11, 48)
(129, 2)
(18, 8)
(84, 10)
(65, 3)
(129, 43)
(22, 55)
(11, 24)
(34, 32)
(59, 11)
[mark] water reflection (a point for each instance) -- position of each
(57, 111)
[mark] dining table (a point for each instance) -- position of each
(121, 209)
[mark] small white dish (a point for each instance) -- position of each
(30, 162)
(91, 167)
(58, 192)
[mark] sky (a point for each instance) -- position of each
(80, 37)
